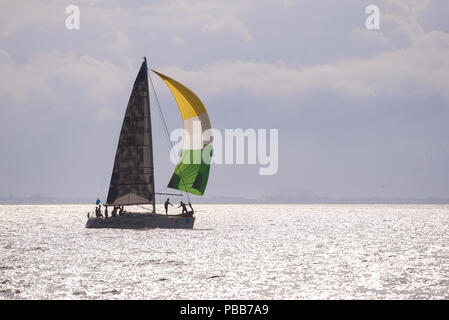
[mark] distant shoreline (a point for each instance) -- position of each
(270, 200)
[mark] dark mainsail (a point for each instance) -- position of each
(132, 180)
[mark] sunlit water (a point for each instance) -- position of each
(233, 252)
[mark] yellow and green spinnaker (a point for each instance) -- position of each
(192, 172)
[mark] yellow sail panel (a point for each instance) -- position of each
(188, 103)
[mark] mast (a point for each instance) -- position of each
(150, 132)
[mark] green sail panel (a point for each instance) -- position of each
(190, 176)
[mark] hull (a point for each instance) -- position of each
(141, 221)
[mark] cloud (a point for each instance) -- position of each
(178, 40)
(55, 75)
(206, 16)
(227, 21)
(121, 41)
(288, 3)
(404, 15)
(422, 67)
(370, 36)
(419, 68)
(16, 15)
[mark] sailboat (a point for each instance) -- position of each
(132, 178)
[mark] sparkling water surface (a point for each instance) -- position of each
(233, 252)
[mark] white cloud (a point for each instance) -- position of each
(288, 3)
(16, 15)
(44, 75)
(377, 37)
(404, 14)
(206, 16)
(121, 41)
(179, 40)
(226, 22)
(421, 68)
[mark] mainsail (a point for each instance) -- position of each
(132, 180)
(192, 172)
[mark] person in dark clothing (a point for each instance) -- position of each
(121, 211)
(167, 202)
(98, 211)
(184, 208)
(114, 211)
(106, 212)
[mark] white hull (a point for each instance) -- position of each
(141, 220)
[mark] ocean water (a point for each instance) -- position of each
(233, 252)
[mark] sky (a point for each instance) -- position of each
(361, 113)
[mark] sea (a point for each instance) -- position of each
(233, 252)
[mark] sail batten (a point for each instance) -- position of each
(132, 179)
(192, 172)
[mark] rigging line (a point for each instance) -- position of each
(166, 131)
(161, 115)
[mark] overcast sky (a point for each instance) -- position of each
(360, 113)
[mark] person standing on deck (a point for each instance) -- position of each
(184, 208)
(98, 211)
(167, 202)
